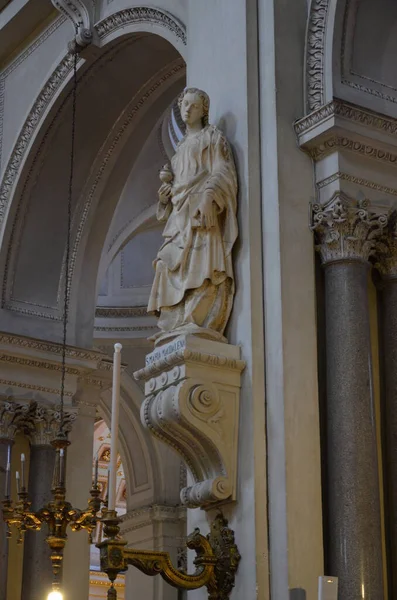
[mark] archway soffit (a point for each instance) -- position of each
(126, 21)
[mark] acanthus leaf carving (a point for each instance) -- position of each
(346, 229)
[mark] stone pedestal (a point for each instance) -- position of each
(346, 233)
(192, 389)
(37, 569)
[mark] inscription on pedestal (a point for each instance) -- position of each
(166, 350)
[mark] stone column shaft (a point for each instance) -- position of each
(5, 456)
(346, 233)
(355, 547)
(37, 570)
(388, 331)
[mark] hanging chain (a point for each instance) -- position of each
(68, 240)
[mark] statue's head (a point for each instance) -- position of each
(194, 105)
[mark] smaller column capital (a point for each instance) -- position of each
(346, 229)
(387, 250)
(39, 423)
(46, 425)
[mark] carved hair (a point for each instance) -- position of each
(204, 99)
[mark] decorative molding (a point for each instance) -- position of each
(39, 364)
(141, 15)
(315, 42)
(346, 229)
(372, 185)
(195, 411)
(349, 111)
(120, 312)
(77, 12)
(33, 387)
(18, 61)
(336, 142)
(125, 329)
(34, 118)
(51, 347)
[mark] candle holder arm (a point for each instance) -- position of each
(216, 561)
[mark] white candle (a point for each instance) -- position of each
(17, 478)
(8, 471)
(61, 466)
(114, 425)
(23, 472)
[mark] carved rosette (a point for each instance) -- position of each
(192, 404)
(346, 229)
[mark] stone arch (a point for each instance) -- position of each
(30, 150)
(342, 60)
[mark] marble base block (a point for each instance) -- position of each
(192, 397)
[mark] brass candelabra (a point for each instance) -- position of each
(58, 514)
(216, 562)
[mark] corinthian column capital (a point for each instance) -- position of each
(39, 423)
(346, 229)
(387, 250)
(14, 417)
(46, 425)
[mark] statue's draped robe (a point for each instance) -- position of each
(193, 257)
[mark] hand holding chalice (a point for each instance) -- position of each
(166, 177)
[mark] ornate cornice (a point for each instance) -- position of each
(39, 364)
(350, 112)
(181, 356)
(315, 51)
(30, 344)
(346, 229)
(141, 15)
(33, 387)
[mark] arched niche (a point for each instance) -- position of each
(351, 51)
(124, 90)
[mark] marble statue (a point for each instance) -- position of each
(193, 286)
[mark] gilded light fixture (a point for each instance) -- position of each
(216, 562)
(58, 514)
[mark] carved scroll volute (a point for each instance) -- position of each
(194, 407)
(80, 14)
